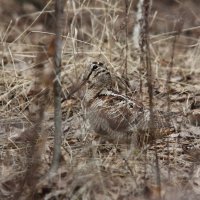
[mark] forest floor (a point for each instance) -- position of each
(90, 169)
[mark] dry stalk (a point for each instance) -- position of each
(137, 26)
(146, 61)
(59, 13)
(177, 28)
(126, 41)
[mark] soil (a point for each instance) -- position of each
(89, 167)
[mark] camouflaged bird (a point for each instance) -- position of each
(116, 117)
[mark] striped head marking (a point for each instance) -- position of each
(97, 75)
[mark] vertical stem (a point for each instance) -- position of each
(177, 28)
(57, 87)
(126, 41)
(147, 61)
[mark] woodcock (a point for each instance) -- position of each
(117, 117)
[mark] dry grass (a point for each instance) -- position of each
(89, 169)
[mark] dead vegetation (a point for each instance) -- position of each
(97, 30)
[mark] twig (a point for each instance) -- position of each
(146, 60)
(177, 28)
(126, 40)
(59, 10)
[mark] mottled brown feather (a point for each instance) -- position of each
(117, 117)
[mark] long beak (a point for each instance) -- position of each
(74, 89)
(81, 84)
(77, 87)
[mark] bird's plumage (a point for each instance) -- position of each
(114, 116)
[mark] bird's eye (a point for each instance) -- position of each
(94, 67)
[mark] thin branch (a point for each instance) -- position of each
(146, 58)
(178, 29)
(59, 12)
(126, 41)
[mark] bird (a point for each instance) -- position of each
(117, 117)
